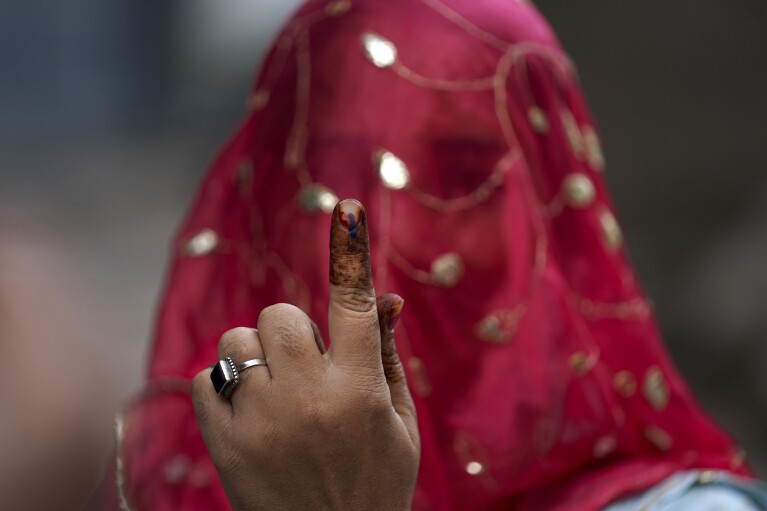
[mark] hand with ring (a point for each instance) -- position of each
(305, 429)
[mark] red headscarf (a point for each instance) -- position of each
(538, 372)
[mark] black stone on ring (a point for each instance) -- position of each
(226, 374)
(225, 377)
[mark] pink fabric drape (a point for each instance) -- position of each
(539, 375)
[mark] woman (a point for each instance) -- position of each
(532, 356)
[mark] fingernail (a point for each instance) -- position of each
(351, 215)
(390, 308)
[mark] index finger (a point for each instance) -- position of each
(352, 315)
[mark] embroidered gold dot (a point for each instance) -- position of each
(612, 237)
(604, 446)
(259, 99)
(338, 7)
(292, 158)
(202, 243)
(381, 52)
(176, 469)
(578, 190)
(655, 389)
(580, 363)
(538, 119)
(658, 438)
(474, 468)
(624, 383)
(573, 134)
(316, 198)
(490, 329)
(392, 171)
(447, 270)
(593, 146)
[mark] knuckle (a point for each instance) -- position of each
(275, 312)
(234, 341)
(289, 327)
(289, 331)
(357, 300)
(236, 333)
(234, 349)
(393, 369)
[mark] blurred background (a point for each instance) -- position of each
(111, 111)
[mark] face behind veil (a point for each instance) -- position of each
(538, 373)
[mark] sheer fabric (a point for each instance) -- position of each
(540, 378)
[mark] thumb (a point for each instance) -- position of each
(389, 309)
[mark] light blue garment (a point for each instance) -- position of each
(698, 491)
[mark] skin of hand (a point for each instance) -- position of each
(317, 430)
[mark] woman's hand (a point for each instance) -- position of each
(315, 430)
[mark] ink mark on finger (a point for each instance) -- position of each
(349, 250)
(351, 216)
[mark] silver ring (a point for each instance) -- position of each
(252, 363)
(226, 374)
